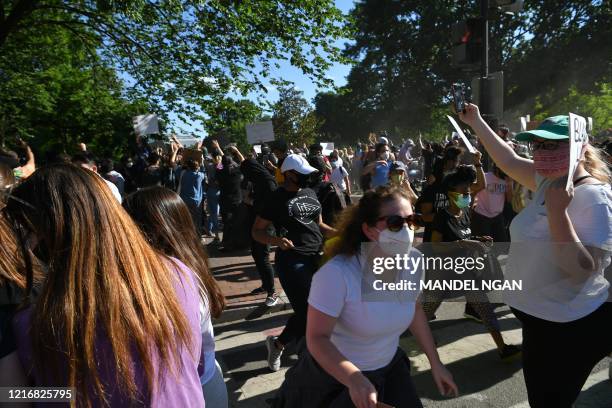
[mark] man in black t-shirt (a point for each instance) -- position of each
(296, 213)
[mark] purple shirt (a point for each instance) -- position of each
(181, 390)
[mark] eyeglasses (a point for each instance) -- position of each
(396, 222)
(548, 145)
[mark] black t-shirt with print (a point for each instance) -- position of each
(452, 228)
(297, 214)
(436, 195)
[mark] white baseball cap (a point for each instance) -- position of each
(297, 163)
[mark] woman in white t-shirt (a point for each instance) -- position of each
(561, 245)
(353, 357)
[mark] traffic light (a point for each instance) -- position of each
(467, 38)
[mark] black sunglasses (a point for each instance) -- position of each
(396, 222)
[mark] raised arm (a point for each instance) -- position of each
(234, 150)
(520, 169)
(481, 182)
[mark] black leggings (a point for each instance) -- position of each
(559, 357)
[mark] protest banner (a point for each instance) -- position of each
(578, 137)
(467, 143)
(146, 124)
(259, 132)
(328, 148)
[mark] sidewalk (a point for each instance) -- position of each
(237, 276)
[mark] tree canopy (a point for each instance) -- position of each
(293, 118)
(402, 77)
(187, 55)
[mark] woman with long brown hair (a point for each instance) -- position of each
(168, 225)
(115, 320)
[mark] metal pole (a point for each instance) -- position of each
(484, 12)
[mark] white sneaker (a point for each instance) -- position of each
(274, 354)
(271, 300)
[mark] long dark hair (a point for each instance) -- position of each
(102, 277)
(350, 233)
(165, 220)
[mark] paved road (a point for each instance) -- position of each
(465, 347)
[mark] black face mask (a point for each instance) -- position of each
(301, 180)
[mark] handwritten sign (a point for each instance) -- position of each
(467, 143)
(260, 132)
(578, 137)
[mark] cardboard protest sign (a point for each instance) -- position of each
(467, 143)
(328, 148)
(578, 137)
(146, 124)
(187, 140)
(260, 132)
(192, 154)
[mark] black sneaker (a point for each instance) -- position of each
(470, 313)
(510, 352)
(258, 291)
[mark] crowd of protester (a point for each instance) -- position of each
(105, 284)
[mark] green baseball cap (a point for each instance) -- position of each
(553, 128)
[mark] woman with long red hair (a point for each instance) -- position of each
(115, 319)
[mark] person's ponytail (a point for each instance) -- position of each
(596, 164)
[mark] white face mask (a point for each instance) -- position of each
(401, 240)
(385, 156)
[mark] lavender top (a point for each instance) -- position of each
(181, 390)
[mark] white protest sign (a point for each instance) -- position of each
(257, 148)
(260, 132)
(578, 137)
(328, 148)
(590, 125)
(467, 143)
(146, 124)
(523, 123)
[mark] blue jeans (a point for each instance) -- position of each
(295, 273)
(212, 203)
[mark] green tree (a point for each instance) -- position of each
(293, 118)
(59, 96)
(186, 55)
(401, 81)
(231, 117)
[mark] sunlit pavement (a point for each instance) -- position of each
(464, 346)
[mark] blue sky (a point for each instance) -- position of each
(337, 73)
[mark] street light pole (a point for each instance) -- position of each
(484, 60)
